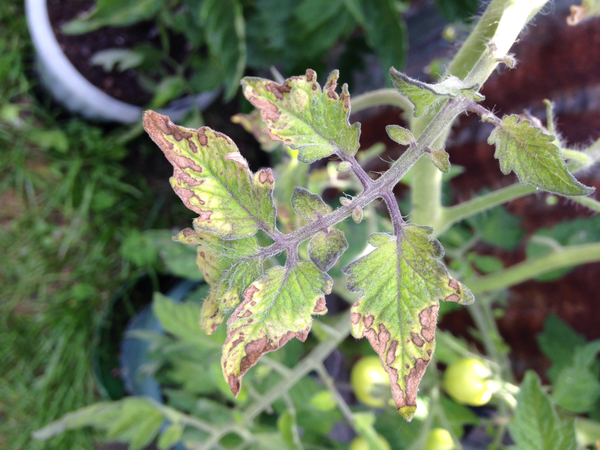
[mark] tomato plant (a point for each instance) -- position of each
(466, 381)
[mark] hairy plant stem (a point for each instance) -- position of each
(307, 365)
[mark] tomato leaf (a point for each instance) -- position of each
(425, 96)
(307, 205)
(213, 179)
(228, 266)
(304, 117)
(225, 33)
(536, 424)
(531, 154)
(402, 282)
(275, 308)
(324, 249)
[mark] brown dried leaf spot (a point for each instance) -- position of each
(391, 353)
(320, 307)
(417, 339)
(378, 341)
(266, 175)
(355, 318)
(413, 379)
(278, 90)
(237, 158)
(454, 285)
(428, 319)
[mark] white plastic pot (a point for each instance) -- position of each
(75, 92)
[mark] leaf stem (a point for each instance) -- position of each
(394, 210)
(572, 255)
(381, 97)
(342, 405)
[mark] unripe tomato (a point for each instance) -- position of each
(360, 443)
(439, 439)
(370, 381)
(466, 381)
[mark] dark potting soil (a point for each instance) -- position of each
(124, 86)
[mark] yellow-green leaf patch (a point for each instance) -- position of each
(531, 154)
(228, 266)
(425, 96)
(276, 307)
(213, 179)
(324, 249)
(309, 206)
(402, 282)
(305, 117)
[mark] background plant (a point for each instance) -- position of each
(465, 261)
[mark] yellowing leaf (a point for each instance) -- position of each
(304, 117)
(325, 248)
(213, 179)
(425, 96)
(228, 266)
(276, 307)
(533, 157)
(309, 206)
(402, 282)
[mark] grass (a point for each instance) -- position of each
(67, 202)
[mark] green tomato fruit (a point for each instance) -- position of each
(466, 381)
(360, 443)
(370, 381)
(439, 439)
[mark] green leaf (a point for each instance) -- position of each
(116, 13)
(213, 179)
(304, 117)
(180, 319)
(425, 96)
(121, 59)
(133, 420)
(170, 436)
(577, 387)
(276, 307)
(398, 308)
(286, 425)
(169, 88)
(225, 33)
(385, 31)
(557, 342)
(399, 134)
(309, 206)
(487, 264)
(324, 400)
(458, 415)
(569, 232)
(229, 267)
(498, 227)
(440, 159)
(324, 249)
(457, 10)
(536, 425)
(531, 154)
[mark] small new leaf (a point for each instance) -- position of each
(398, 308)
(400, 135)
(304, 117)
(536, 424)
(531, 154)
(357, 214)
(213, 179)
(309, 206)
(325, 248)
(228, 266)
(276, 307)
(440, 159)
(425, 96)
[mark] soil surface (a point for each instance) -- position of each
(124, 86)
